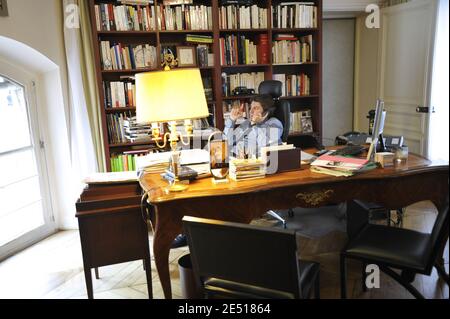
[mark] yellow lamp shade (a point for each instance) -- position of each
(173, 95)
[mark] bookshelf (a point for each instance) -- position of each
(256, 29)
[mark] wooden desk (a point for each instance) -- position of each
(394, 188)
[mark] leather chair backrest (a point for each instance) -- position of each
(244, 254)
(282, 108)
(439, 235)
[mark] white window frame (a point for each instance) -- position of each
(28, 81)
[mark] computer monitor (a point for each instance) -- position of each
(378, 128)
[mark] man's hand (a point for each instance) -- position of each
(237, 113)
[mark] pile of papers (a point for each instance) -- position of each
(159, 162)
(109, 178)
(245, 169)
(339, 165)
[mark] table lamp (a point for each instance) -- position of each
(167, 97)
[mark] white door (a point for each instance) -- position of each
(25, 209)
(406, 60)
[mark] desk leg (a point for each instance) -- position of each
(88, 278)
(165, 234)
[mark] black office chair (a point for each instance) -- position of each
(282, 108)
(281, 111)
(232, 260)
(410, 251)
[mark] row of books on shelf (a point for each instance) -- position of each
(124, 162)
(301, 122)
(119, 94)
(185, 17)
(295, 15)
(117, 56)
(248, 80)
(235, 50)
(290, 49)
(109, 17)
(294, 85)
(242, 17)
(122, 128)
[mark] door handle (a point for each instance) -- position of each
(425, 109)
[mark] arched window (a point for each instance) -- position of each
(25, 206)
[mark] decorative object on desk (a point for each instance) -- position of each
(171, 96)
(385, 159)
(186, 56)
(218, 156)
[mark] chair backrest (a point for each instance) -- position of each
(439, 236)
(243, 254)
(282, 108)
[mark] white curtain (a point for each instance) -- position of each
(439, 127)
(83, 154)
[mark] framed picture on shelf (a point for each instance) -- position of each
(306, 124)
(186, 56)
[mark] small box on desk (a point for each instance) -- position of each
(281, 158)
(385, 159)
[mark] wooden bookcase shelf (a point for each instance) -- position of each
(167, 38)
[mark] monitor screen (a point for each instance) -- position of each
(378, 128)
(380, 116)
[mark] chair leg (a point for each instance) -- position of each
(363, 276)
(278, 217)
(441, 272)
(317, 286)
(148, 274)
(402, 282)
(343, 277)
(291, 212)
(96, 273)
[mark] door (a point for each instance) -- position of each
(406, 54)
(25, 210)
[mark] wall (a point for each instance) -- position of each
(38, 26)
(338, 77)
(366, 73)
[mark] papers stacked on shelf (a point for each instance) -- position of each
(339, 165)
(108, 178)
(245, 169)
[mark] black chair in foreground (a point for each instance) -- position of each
(232, 260)
(410, 251)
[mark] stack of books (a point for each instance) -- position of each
(118, 56)
(246, 169)
(295, 15)
(109, 17)
(137, 132)
(340, 166)
(294, 84)
(119, 94)
(242, 17)
(184, 17)
(290, 50)
(248, 80)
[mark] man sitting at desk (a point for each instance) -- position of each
(246, 139)
(258, 130)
